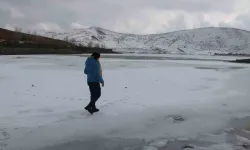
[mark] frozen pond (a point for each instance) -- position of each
(146, 104)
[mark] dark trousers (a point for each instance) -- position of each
(95, 94)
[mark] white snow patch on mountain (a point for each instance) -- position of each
(194, 41)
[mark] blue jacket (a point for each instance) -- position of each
(92, 69)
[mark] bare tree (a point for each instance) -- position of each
(18, 29)
(97, 45)
(66, 38)
(102, 46)
(81, 45)
(90, 44)
(53, 36)
(28, 32)
(73, 40)
(34, 32)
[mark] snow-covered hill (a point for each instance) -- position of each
(195, 41)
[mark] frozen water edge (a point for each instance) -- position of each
(43, 99)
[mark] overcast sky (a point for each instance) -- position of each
(132, 16)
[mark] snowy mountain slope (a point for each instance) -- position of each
(195, 41)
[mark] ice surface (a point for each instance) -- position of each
(159, 143)
(43, 99)
(243, 140)
(149, 148)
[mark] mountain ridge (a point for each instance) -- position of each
(208, 40)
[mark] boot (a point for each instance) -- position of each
(89, 109)
(95, 110)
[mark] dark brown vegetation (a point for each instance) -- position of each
(13, 43)
(231, 54)
(247, 61)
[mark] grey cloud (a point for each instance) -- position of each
(4, 15)
(186, 5)
(62, 12)
(242, 21)
(176, 24)
(111, 14)
(45, 10)
(180, 22)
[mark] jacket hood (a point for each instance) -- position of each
(90, 60)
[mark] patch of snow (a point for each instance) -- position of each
(243, 140)
(246, 131)
(183, 138)
(52, 111)
(229, 130)
(150, 148)
(160, 143)
(188, 147)
(221, 146)
(202, 41)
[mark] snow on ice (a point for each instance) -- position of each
(145, 104)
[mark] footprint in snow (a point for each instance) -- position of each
(45, 110)
(24, 111)
(4, 136)
(188, 146)
(176, 118)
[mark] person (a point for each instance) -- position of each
(93, 71)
